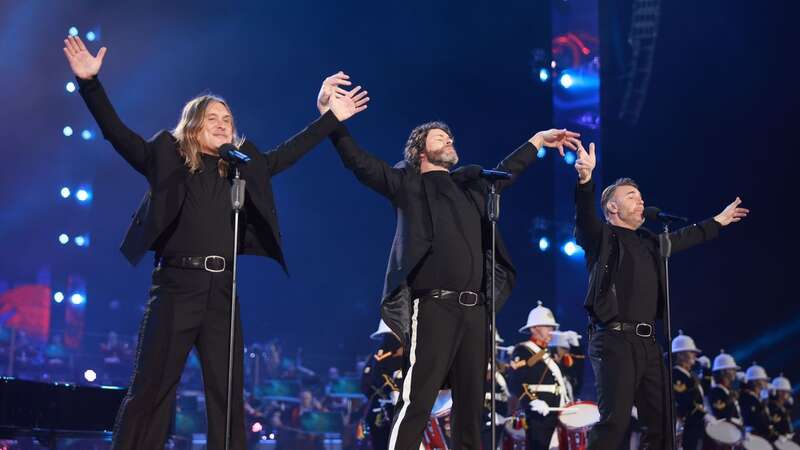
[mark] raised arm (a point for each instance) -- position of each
(370, 170)
(86, 67)
(525, 155)
(708, 229)
(588, 225)
(338, 108)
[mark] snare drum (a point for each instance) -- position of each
(753, 442)
(786, 444)
(574, 423)
(722, 435)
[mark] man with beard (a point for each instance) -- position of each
(435, 291)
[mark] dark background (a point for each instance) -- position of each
(715, 125)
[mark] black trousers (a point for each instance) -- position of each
(628, 370)
(540, 429)
(693, 434)
(187, 308)
(448, 342)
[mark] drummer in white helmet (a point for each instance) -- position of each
(688, 391)
(722, 398)
(536, 380)
(379, 382)
(752, 402)
(780, 407)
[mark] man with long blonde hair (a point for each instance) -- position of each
(186, 219)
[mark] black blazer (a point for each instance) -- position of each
(404, 187)
(604, 253)
(159, 161)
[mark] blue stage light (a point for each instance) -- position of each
(73, 31)
(65, 192)
(569, 158)
(90, 375)
(77, 299)
(63, 238)
(566, 80)
(70, 86)
(541, 152)
(544, 75)
(83, 195)
(91, 36)
(58, 297)
(544, 244)
(67, 131)
(80, 241)
(572, 249)
(86, 135)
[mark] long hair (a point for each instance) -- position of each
(188, 128)
(416, 141)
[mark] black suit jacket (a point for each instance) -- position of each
(604, 253)
(416, 211)
(158, 160)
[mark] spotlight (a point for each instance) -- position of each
(63, 238)
(566, 80)
(86, 135)
(65, 193)
(91, 36)
(541, 153)
(544, 244)
(58, 297)
(67, 131)
(90, 375)
(256, 427)
(73, 31)
(70, 87)
(83, 195)
(77, 299)
(81, 241)
(544, 75)
(569, 158)
(572, 249)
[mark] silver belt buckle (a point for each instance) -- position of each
(461, 295)
(649, 330)
(205, 263)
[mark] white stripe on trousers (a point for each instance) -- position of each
(412, 358)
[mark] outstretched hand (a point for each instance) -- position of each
(555, 138)
(82, 63)
(585, 163)
(732, 213)
(345, 106)
(330, 86)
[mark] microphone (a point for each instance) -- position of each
(495, 175)
(655, 214)
(230, 153)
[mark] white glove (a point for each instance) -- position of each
(540, 407)
(708, 418)
(395, 397)
(737, 421)
(573, 338)
(740, 376)
(704, 362)
(498, 420)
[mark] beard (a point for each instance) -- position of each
(443, 158)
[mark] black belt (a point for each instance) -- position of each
(211, 263)
(641, 329)
(464, 298)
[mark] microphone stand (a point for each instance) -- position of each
(237, 202)
(493, 211)
(665, 246)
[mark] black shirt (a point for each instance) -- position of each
(455, 261)
(205, 224)
(637, 281)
